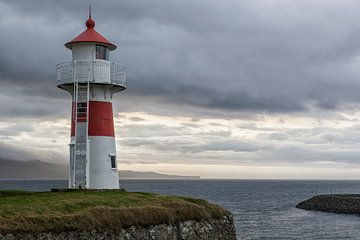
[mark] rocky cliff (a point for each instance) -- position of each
(212, 229)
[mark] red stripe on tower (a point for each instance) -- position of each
(101, 120)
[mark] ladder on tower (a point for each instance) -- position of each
(81, 158)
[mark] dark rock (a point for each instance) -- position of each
(335, 203)
(9, 237)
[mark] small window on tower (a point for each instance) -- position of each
(113, 161)
(102, 52)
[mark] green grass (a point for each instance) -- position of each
(102, 210)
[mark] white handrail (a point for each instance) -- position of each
(97, 71)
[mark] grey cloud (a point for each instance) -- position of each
(274, 136)
(22, 153)
(191, 145)
(160, 130)
(221, 98)
(233, 145)
(216, 133)
(301, 154)
(15, 129)
(147, 130)
(231, 56)
(15, 104)
(229, 59)
(137, 119)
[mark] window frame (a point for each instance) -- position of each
(113, 161)
(103, 52)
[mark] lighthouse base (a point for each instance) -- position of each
(101, 167)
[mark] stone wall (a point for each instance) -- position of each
(214, 229)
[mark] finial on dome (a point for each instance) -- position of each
(90, 23)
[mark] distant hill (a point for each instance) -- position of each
(32, 169)
(39, 169)
(151, 175)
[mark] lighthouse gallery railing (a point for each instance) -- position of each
(97, 71)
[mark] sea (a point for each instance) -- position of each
(262, 209)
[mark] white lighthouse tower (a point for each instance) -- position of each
(92, 80)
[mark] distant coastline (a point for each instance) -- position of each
(126, 174)
(12, 169)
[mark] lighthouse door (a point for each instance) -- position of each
(81, 134)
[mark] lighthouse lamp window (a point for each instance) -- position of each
(113, 161)
(102, 52)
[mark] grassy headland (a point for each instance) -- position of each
(101, 210)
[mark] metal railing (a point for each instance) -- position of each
(97, 71)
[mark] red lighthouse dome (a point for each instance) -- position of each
(91, 35)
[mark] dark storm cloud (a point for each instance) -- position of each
(258, 55)
(21, 153)
(14, 103)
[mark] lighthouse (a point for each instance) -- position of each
(92, 80)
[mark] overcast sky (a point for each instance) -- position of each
(227, 89)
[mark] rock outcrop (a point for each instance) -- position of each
(213, 229)
(335, 203)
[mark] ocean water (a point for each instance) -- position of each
(261, 209)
